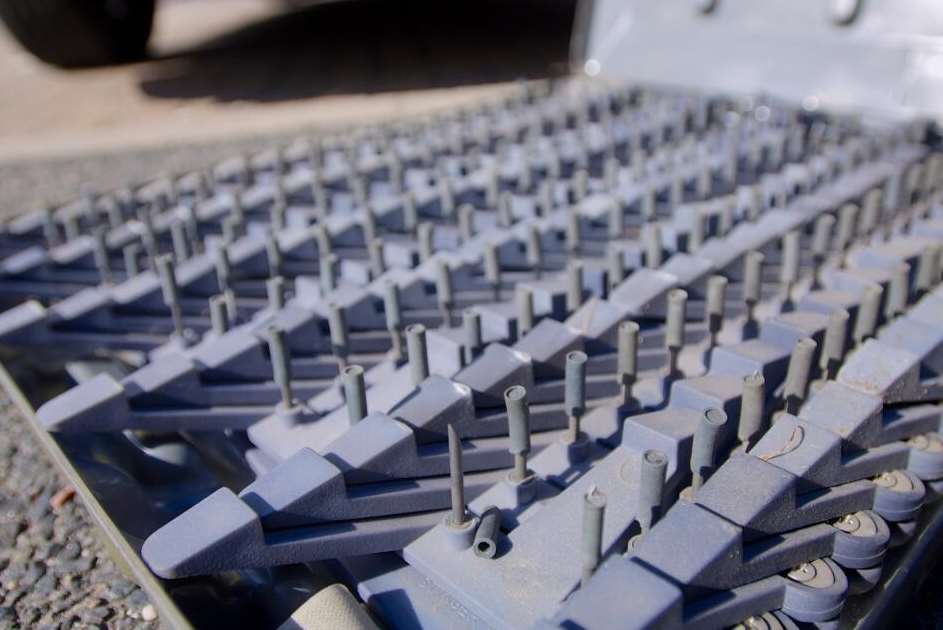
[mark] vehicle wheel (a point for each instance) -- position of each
(80, 33)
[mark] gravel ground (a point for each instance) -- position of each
(54, 572)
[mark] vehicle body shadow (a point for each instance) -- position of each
(370, 46)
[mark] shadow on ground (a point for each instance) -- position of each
(371, 46)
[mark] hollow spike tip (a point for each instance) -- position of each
(355, 393)
(515, 400)
(594, 508)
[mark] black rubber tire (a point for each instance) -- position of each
(81, 33)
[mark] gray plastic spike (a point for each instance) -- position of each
(232, 229)
(168, 280)
(615, 266)
(822, 236)
(424, 236)
(101, 255)
(868, 313)
(574, 286)
(647, 209)
(132, 255)
(575, 392)
(394, 317)
(696, 234)
(151, 250)
(594, 509)
(171, 292)
(651, 235)
(753, 417)
(471, 325)
(72, 228)
(515, 400)
(355, 393)
(833, 347)
(50, 229)
(466, 224)
(573, 232)
(870, 212)
(459, 516)
(752, 290)
(674, 327)
(675, 191)
(716, 304)
(796, 385)
(627, 359)
(180, 242)
(369, 224)
(616, 220)
(358, 187)
(445, 294)
(936, 270)
(275, 290)
(847, 217)
(192, 228)
(545, 200)
(417, 353)
(323, 239)
(281, 365)
(219, 317)
(340, 343)
(580, 184)
(898, 291)
(505, 217)
(493, 269)
(446, 199)
(223, 268)
(524, 298)
(534, 250)
(115, 217)
(705, 444)
(752, 278)
(410, 213)
(232, 309)
(375, 250)
(654, 467)
(789, 270)
(273, 254)
(327, 273)
(928, 268)
(320, 199)
(278, 211)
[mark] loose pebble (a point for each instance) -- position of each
(148, 613)
(62, 497)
